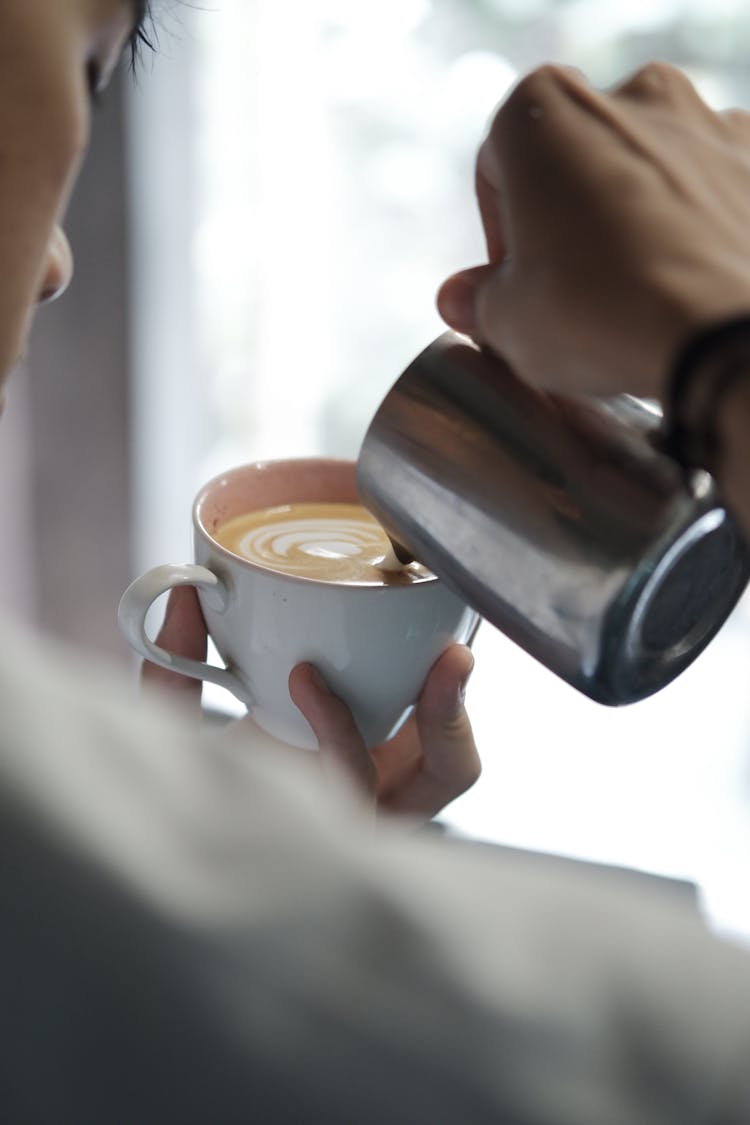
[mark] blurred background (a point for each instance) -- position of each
(262, 225)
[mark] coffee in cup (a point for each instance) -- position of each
(290, 568)
(329, 541)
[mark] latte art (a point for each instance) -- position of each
(330, 542)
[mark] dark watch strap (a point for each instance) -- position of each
(706, 367)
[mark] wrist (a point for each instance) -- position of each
(711, 372)
(732, 467)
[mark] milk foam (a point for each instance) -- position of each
(330, 542)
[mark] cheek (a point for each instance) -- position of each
(44, 113)
(41, 149)
(58, 137)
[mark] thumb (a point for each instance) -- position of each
(450, 762)
(444, 726)
(458, 298)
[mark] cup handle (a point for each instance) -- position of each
(138, 599)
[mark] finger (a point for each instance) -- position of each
(553, 124)
(543, 129)
(339, 741)
(524, 105)
(488, 187)
(509, 166)
(457, 298)
(737, 121)
(660, 83)
(500, 318)
(542, 85)
(183, 633)
(538, 97)
(450, 763)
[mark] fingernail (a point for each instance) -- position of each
(464, 682)
(457, 304)
(455, 706)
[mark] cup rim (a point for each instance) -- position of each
(234, 471)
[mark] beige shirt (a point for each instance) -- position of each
(194, 932)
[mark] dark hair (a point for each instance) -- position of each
(142, 32)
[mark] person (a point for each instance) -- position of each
(199, 928)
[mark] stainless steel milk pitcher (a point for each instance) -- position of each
(556, 517)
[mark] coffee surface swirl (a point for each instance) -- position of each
(330, 542)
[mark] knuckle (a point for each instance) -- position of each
(544, 77)
(655, 78)
(738, 120)
(534, 87)
(656, 71)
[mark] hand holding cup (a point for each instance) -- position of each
(426, 765)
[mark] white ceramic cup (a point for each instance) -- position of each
(374, 645)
